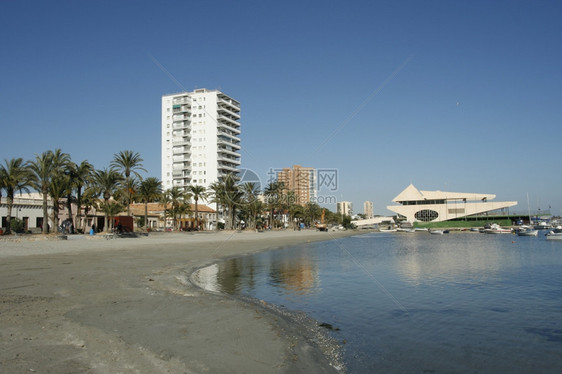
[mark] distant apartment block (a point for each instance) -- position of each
(200, 138)
(300, 180)
(368, 209)
(345, 208)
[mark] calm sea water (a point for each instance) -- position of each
(420, 303)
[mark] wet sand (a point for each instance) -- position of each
(127, 305)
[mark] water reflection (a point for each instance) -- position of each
(437, 259)
(293, 274)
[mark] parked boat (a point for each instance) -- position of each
(401, 229)
(436, 232)
(527, 232)
(543, 226)
(496, 229)
(555, 234)
(387, 230)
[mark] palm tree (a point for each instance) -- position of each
(312, 212)
(164, 199)
(273, 193)
(106, 183)
(177, 198)
(251, 201)
(197, 192)
(80, 176)
(58, 188)
(14, 176)
(216, 192)
(89, 200)
(150, 189)
(111, 208)
(232, 197)
(128, 162)
(45, 167)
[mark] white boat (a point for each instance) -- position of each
(555, 234)
(401, 229)
(436, 232)
(388, 230)
(496, 229)
(419, 229)
(527, 232)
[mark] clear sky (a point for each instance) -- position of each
(460, 96)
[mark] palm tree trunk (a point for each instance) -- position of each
(45, 211)
(196, 215)
(146, 216)
(69, 209)
(10, 200)
(78, 208)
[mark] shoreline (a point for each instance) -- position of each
(128, 305)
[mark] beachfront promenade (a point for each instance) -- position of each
(127, 306)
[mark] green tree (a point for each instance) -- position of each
(150, 190)
(110, 208)
(89, 200)
(217, 196)
(251, 203)
(197, 192)
(15, 175)
(106, 182)
(165, 201)
(178, 198)
(58, 188)
(273, 193)
(232, 195)
(312, 213)
(128, 162)
(46, 166)
(80, 177)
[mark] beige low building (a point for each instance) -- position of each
(438, 206)
(155, 216)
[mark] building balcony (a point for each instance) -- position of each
(227, 159)
(228, 102)
(180, 117)
(180, 159)
(227, 120)
(228, 127)
(181, 151)
(185, 127)
(182, 109)
(229, 135)
(228, 112)
(226, 168)
(223, 144)
(181, 100)
(181, 142)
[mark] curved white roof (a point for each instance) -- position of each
(411, 193)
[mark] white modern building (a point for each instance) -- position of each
(437, 206)
(200, 137)
(368, 209)
(345, 208)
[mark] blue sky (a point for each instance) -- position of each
(449, 95)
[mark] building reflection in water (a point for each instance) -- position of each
(290, 271)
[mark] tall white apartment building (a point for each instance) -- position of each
(368, 209)
(345, 208)
(200, 137)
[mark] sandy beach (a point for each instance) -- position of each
(127, 305)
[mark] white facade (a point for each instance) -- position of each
(200, 138)
(29, 208)
(345, 208)
(438, 206)
(368, 209)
